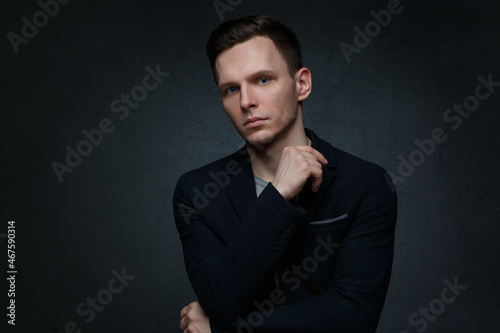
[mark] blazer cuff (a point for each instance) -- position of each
(290, 209)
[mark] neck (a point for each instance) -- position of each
(265, 161)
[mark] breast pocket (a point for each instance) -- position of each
(328, 223)
(319, 248)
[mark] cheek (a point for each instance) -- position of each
(285, 108)
(229, 109)
(283, 98)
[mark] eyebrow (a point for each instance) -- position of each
(264, 72)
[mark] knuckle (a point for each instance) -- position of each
(303, 163)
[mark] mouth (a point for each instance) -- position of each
(254, 122)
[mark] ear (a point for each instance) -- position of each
(304, 83)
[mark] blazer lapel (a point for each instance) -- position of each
(311, 200)
(307, 198)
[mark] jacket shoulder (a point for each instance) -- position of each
(355, 164)
(344, 162)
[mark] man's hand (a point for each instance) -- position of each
(297, 164)
(194, 319)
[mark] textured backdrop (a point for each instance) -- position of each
(106, 103)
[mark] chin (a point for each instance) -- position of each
(260, 139)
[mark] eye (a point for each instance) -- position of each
(264, 80)
(231, 90)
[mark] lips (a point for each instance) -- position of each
(254, 122)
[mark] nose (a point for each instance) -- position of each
(248, 99)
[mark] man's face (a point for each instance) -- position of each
(258, 93)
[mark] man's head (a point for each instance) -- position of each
(261, 80)
(241, 30)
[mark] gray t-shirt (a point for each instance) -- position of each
(260, 184)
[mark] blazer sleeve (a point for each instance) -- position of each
(361, 278)
(226, 277)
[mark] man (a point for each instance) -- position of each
(288, 234)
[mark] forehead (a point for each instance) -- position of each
(240, 61)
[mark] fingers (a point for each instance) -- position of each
(184, 311)
(297, 164)
(187, 308)
(316, 179)
(192, 316)
(310, 150)
(315, 160)
(312, 160)
(316, 183)
(183, 324)
(316, 175)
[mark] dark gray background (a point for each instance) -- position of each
(114, 210)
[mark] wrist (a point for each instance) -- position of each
(284, 193)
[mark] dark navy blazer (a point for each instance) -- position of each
(320, 263)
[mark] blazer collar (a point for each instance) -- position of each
(242, 191)
(324, 148)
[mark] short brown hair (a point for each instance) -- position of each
(240, 30)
